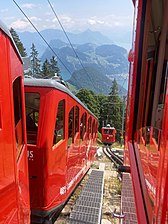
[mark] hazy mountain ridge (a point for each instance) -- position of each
(87, 36)
(107, 59)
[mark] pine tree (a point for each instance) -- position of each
(18, 43)
(55, 71)
(103, 110)
(115, 107)
(46, 69)
(35, 62)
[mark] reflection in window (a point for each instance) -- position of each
(89, 126)
(83, 125)
(60, 123)
(32, 101)
(93, 128)
(76, 119)
(71, 127)
(18, 114)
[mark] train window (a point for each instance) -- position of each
(17, 100)
(97, 127)
(32, 101)
(93, 127)
(77, 119)
(108, 131)
(83, 125)
(60, 123)
(89, 126)
(71, 127)
(18, 114)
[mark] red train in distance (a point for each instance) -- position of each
(61, 136)
(146, 148)
(108, 135)
(14, 187)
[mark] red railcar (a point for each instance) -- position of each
(108, 135)
(147, 111)
(61, 135)
(14, 190)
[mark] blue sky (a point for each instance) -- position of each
(106, 16)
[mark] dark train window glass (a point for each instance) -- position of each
(83, 125)
(76, 119)
(90, 125)
(97, 127)
(17, 100)
(89, 129)
(105, 131)
(59, 133)
(18, 114)
(32, 101)
(108, 131)
(71, 127)
(93, 127)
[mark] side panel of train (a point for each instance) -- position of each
(147, 111)
(14, 191)
(61, 144)
(108, 135)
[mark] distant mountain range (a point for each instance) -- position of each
(94, 56)
(87, 36)
(108, 59)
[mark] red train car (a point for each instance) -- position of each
(108, 135)
(61, 135)
(14, 190)
(147, 111)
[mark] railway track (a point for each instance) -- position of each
(114, 155)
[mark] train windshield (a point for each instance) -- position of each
(108, 131)
(32, 115)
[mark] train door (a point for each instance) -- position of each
(21, 151)
(9, 212)
(14, 190)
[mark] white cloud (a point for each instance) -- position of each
(92, 21)
(110, 21)
(20, 24)
(34, 18)
(95, 21)
(64, 19)
(100, 22)
(28, 5)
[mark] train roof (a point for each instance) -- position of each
(50, 83)
(4, 28)
(108, 127)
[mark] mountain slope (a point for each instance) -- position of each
(94, 80)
